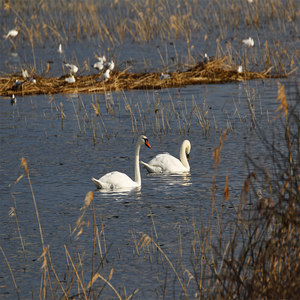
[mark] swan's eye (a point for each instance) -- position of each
(187, 156)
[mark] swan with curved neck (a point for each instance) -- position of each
(166, 163)
(117, 180)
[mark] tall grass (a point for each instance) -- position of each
(200, 25)
(105, 116)
(74, 283)
(257, 258)
(260, 259)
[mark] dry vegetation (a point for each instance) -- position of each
(216, 71)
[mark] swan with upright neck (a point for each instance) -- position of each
(120, 181)
(166, 163)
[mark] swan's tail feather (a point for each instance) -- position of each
(98, 183)
(151, 169)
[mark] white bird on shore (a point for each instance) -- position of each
(60, 50)
(164, 76)
(26, 76)
(25, 73)
(101, 58)
(249, 42)
(12, 33)
(240, 69)
(32, 80)
(18, 82)
(70, 79)
(72, 68)
(106, 75)
(110, 65)
(99, 65)
(13, 100)
(206, 58)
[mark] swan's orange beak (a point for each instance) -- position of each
(147, 144)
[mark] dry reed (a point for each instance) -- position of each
(216, 71)
(260, 258)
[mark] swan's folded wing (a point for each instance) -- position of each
(167, 164)
(114, 181)
(151, 168)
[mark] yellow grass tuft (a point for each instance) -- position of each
(96, 109)
(12, 212)
(283, 107)
(24, 165)
(226, 189)
(44, 257)
(88, 198)
(95, 277)
(247, 183)
(217, 150)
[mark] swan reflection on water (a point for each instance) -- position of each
(121, 191)
(120, 195)
(183, 179)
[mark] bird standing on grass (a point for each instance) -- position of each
(18, 83)
(70, 79)
(101, 58)
(106, 75)
(164, 76)
(99, 65)
(206, 58)
(72, 68)
(27, 77)
(110, 65)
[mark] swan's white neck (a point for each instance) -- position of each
(185, 145)
(137, 173)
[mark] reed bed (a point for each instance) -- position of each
(215, 27)
(216, 71)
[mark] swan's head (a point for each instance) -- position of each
(144, 140)
(186, 145)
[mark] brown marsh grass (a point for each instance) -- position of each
(199, 25)
(216, 71)
(260, 258)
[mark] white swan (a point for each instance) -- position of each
(166, 163)
(120, 181)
